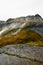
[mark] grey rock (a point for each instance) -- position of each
(21, 54)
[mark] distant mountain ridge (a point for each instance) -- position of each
(36, 17)
(34, 22)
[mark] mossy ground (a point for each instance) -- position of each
(24, 36)
(39, 43)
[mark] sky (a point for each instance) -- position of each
(17, 8)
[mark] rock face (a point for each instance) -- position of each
(11, 24)
(21, 54)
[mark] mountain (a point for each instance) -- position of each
(36, 17)
(21, 30)
(34, 22)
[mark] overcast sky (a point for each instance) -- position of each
(17, 8)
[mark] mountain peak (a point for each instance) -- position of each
(10, 19)
(37, 15)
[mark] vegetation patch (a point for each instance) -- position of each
(24, 36)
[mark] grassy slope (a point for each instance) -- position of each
(24, 36)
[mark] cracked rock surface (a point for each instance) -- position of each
(21, 54)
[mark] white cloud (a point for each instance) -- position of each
(16, 8)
